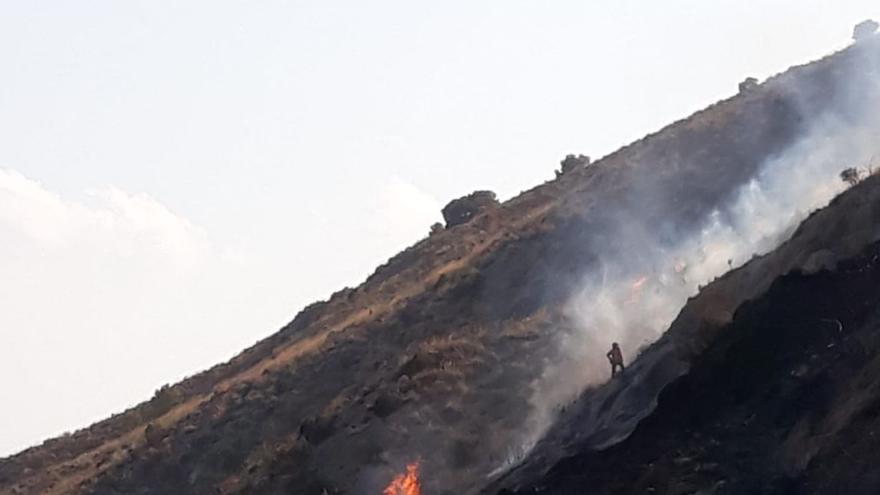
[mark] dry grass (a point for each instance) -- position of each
(65, 476)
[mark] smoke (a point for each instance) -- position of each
(642, 280)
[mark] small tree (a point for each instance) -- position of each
(748, 84)
(864, 30)
(571, 163)
(851, 176)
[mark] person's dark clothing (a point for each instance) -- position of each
(615, 357)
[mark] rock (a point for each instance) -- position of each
(463, 209)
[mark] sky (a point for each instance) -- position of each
(178, 179)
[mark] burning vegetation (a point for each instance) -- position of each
(475, 331)
(636, 288)
(405, 483)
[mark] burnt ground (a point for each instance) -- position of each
(607, 414)
(786, 401)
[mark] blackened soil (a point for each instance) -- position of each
(784, 402)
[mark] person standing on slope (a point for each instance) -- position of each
(615, 357)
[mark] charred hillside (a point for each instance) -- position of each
(783, 399)
(774, 381)
(465, 350)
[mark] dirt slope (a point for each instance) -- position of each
(433, 356)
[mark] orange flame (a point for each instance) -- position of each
(639, 283)
(636, 288)
(406, 483)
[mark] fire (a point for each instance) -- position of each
(636, 288)
(639, 283)
(406, 483)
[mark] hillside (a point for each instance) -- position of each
(765, 396)
(464, 351)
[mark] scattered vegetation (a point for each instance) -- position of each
(164, 399)
(854, 175)
(748, 84)
(851, 176)
(571, 163)
(865, 30)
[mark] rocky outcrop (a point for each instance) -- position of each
(464, 209)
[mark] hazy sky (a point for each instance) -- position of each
(179, 178)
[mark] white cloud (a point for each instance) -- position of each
(404, 212)
(116, 223)
(100, 301)
(104, 299)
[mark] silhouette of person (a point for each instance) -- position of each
(615, 357)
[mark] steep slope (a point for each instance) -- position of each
(439, 355)
(781, 400)
(796, 358)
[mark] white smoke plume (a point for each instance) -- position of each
(633, 296)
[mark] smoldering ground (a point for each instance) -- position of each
(649, 225)
(646, 270)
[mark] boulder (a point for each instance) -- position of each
(463, 209)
